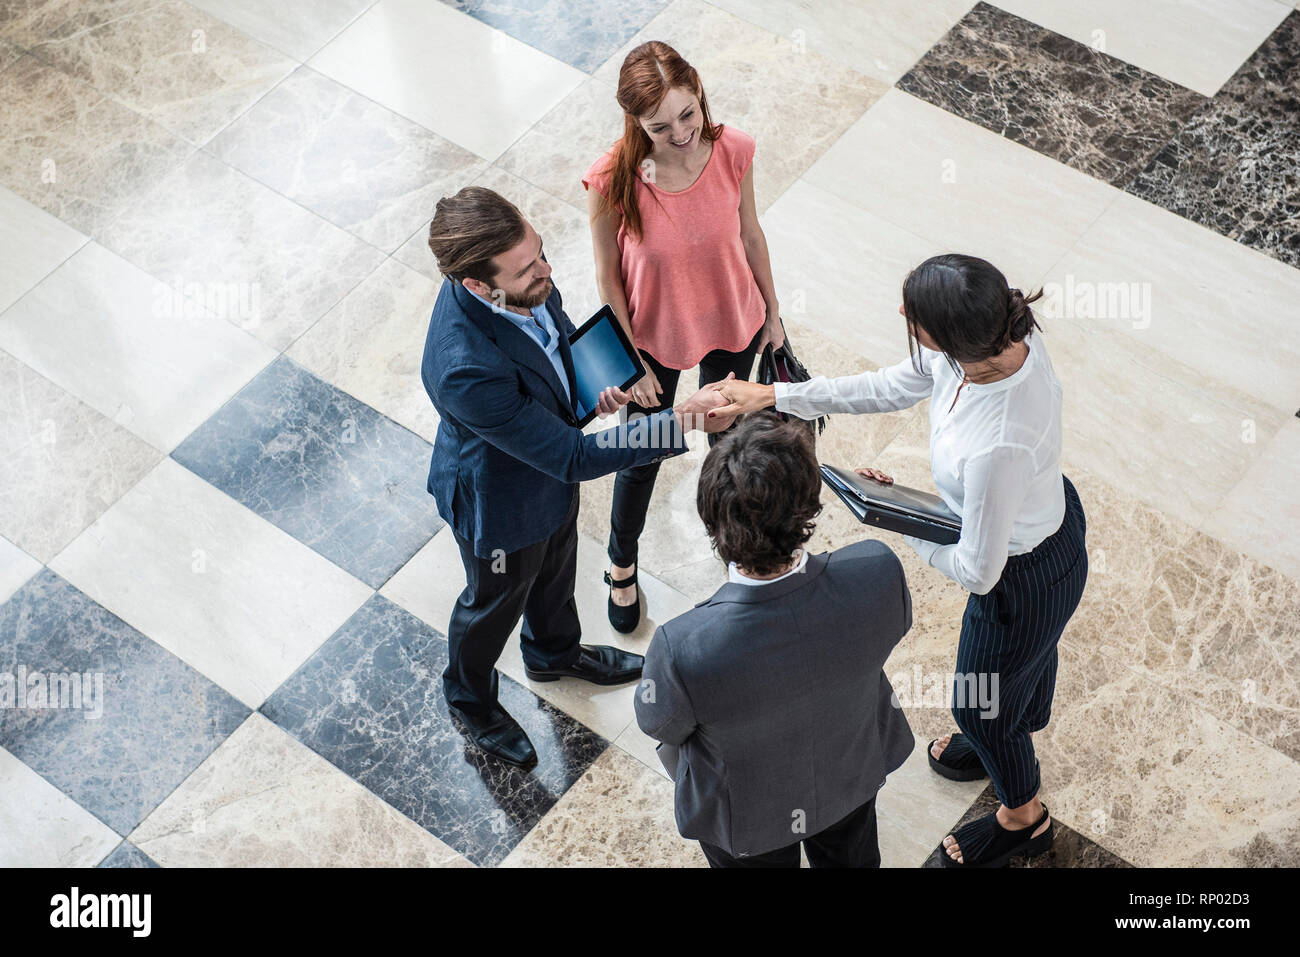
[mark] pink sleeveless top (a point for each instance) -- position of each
(689, 287)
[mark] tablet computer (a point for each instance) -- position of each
(895, 508)
(602, 357)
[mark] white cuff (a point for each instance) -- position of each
(779, 390)
(923, 548)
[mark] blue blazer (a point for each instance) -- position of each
(509, 455)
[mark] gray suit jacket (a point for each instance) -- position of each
(775, 699)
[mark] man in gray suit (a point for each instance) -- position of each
(776, 719)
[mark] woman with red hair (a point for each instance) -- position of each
(681, 259)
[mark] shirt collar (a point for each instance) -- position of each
(734, 575)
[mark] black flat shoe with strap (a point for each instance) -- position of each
(958, 761)
(624, 618)
(986, 843)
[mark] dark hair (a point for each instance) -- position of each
(469, 229)
(965, 305)
(759, 492)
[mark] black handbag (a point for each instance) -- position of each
(780, 365)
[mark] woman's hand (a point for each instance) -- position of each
(876, 474)
(743, 396)
(611, 400)
(645, 390)
(772, 333)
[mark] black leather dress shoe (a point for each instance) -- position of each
(599, 664)
(498, 734)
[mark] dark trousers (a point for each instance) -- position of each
(536, 582)
(850, 842)
(633, 487)
(1012, 632)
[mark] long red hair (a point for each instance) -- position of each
(648, 73)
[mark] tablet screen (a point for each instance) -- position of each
(602, 357)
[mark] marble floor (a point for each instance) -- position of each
(214, 291)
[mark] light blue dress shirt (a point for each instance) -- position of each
(541, 329)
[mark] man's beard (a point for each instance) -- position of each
(532, 299)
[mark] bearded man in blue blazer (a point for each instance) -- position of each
(509, 457)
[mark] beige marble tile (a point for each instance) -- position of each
(16, 566)
(350, 161)
(1154, 777)
(1197, 44)
(882, 38)
(406, 54)
(75, 153)
(1149, 425)
(559, 148)
(40, 826)
(32, 245)
(170, 62)
(296, 27)
(372, 343)
(65, 463)
(794, 103)
(218, 586)
(261, 261)
(618, 814)
(963, 188)
(1220, 308)
(116, 338)
(262, 799)
(1263, 502)
(698, 581)
(429, 584)
(28, 22)
(8, 53)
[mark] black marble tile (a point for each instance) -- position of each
(158, 717)
(323, 466)
(584, 35)
(127, 854)
(1235, 165)
(1055, 95)
(1069, 849)
(370, 701)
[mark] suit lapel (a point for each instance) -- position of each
(517, 344)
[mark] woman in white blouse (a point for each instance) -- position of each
(995, 454)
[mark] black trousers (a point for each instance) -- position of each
(536, 582)
(851, 842)
(633, 487)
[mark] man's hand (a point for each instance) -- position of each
(743, 396)
(693, 413)
(611, 400)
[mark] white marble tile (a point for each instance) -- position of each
(1261, 515)
(409, 56)
(16, 566)
(429, 584)
(917, 807)
(221, 588)
(642, 747)
(1221, 308)
(1196, 43)
(64, 463)
(263, 799)
(32, 244)
(126, 345)
(882, 38)
(963, 188)
(254, 257)
(372, 343)
(296, 27)
(839, 270)
(40, 826)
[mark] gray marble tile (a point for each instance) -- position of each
(581, 34)
(32, 245)
(65, 463)
(255, 258)
(370, 702)
(127, 855)
(1060, 97)
(322, 466)
(119, 749)
(350, 161)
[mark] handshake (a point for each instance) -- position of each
(712, 409)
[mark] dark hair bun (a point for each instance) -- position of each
(1020, 318)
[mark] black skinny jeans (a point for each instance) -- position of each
(633, 487)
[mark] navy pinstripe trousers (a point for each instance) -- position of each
(1012, 633)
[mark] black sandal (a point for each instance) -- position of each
(958, 762)
(986, 843)
(624, 618)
